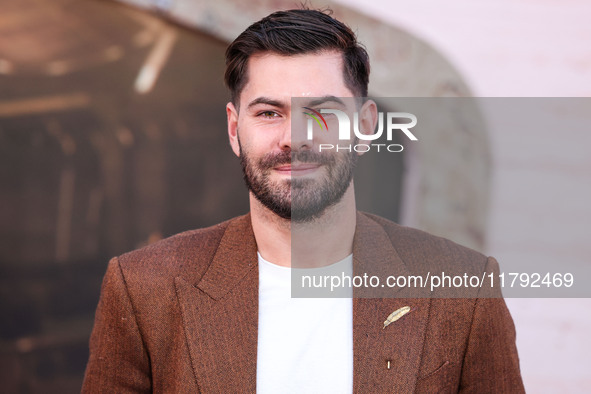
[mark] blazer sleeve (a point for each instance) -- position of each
(118, 361)
(491, 363)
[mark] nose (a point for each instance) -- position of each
(296, 136)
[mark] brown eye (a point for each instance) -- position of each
(268, 114)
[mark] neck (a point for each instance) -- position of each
(323, 241)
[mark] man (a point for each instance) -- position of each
(210, 310)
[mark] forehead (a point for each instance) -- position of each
(282, 77)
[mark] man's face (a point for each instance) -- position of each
(282, 168)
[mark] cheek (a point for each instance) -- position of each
(258, 132)
(332, 135)
(250, 147)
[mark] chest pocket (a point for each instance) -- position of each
(437, 381)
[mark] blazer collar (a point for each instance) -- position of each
(235, 257)
(373, 254)
(220, 315)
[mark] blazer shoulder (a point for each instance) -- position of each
(422, 248)
(190, 250)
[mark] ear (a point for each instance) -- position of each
(232, 115)
(368, 118)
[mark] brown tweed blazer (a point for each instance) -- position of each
(180, 316)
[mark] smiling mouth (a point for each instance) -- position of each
(297, 169)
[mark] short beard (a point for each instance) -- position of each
(299, 200)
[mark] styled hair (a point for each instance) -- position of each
(294, 32)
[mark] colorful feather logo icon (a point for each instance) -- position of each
(316, 115)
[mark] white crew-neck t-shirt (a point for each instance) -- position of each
(305, 345)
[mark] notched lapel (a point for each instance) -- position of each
(220, 315)
(374, 255)
(401, 342)
(235, 257)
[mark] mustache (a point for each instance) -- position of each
(272, 160)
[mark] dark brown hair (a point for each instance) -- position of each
(296, 32)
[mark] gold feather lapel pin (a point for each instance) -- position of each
(397, 314)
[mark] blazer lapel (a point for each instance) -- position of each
(220, 314)
(385, 359)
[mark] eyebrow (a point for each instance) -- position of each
(326, 99)
(279, 104)
(267, 101)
